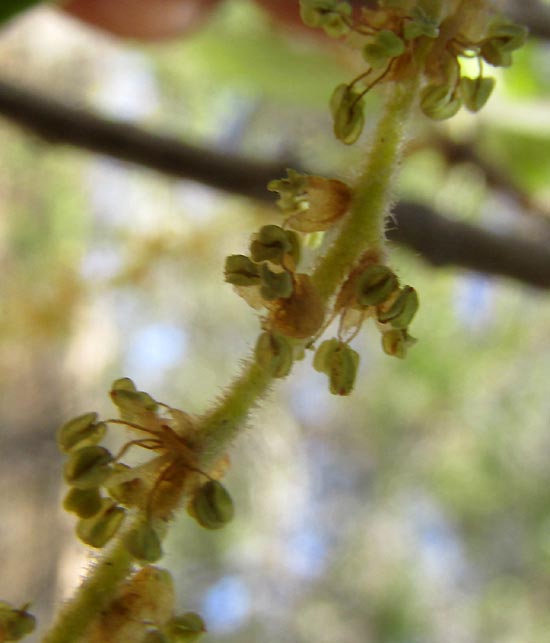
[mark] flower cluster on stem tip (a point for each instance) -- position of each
(105, 492)
(401, 39)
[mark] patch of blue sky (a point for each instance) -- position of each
(152, 350)
(306, 552)
(474, 301)
(226, 605)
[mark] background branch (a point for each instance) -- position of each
(439, 240)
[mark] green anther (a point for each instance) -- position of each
(98, 530)
(494, 55)
(420, 25)
(15, 623)
(382, 47)
(131, 492)
(397, 342)
(85, 503)
(80, 431)
(271, 244)
(186, 628)
(292, 192)
(275, 285)
(475, 92)
(123, 384)
(274, 354)
(88, 467)
(375, 285)
(133, 404)
(323, 355)
(241, 271)
(347, 108)
(212, 505)
(401, 313)
(507, 36)
(438, 103)
(330, 15)
(342, 373)
(156, 636)
(143, 543)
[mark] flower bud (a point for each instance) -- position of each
(271, 244)
(88, 467)
(15, 623)
(212, 506)
(438, 102)
(99, 529)
(375, 285)
(240, 271)
(274, 354)
(85, 503)
(80, 431)
(400, 314)
(275, 285)
(186, 628)
(475, 92)
(397, 342)
(143, 543)
(347, 108)
(381, 47)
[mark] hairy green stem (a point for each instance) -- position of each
(363, 229)
(94, 594)
(221, 425)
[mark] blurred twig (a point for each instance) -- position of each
(532, 13)
(439, 240)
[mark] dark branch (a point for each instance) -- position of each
(57, 123)
(444, 242)
(439, 240)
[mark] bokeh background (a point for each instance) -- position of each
(415, 511)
